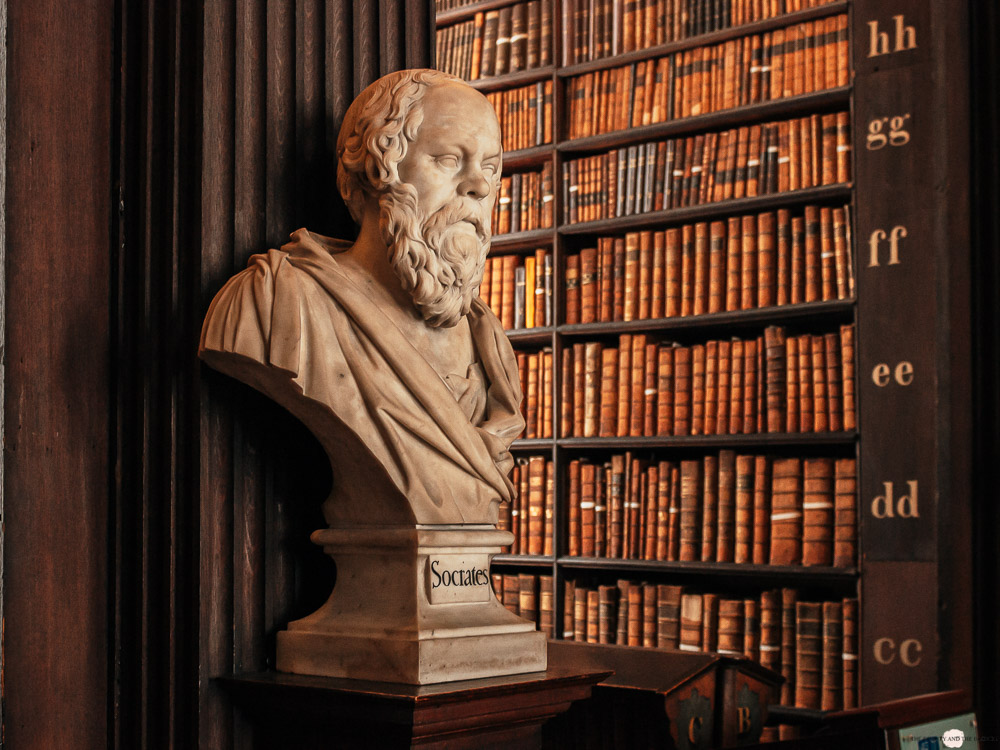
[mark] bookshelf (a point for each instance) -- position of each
(908, 362)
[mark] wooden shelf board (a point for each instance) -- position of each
(512, 80)
(541, 335)
(532, 444)
(718, 209)
(754, 440)
(532, 561)
(717, 569)
(812, 311)
(529, 240)
(527, 157)
(454, 15)
(714, 37)
(750, 113)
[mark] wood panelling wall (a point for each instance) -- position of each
(229, 112)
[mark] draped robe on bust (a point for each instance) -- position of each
(405, 444)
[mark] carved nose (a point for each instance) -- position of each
(475, 186)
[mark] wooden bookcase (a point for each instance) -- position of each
(908, 80)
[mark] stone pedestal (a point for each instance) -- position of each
(412, 605)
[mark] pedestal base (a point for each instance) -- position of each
(415, 606)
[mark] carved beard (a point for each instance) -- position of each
(439, 259)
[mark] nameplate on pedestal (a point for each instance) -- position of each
(458, 578)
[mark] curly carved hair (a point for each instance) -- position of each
(377, 128)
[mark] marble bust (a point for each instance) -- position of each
(384, 350)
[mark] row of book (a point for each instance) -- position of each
(535, 370)
(530, 517)
(525, 202)
(814, 645)
(798, 60)
(528, 596)
(519, 289)
(525, 115)
(772, 383)
(742, 162)
(594, 29)
(507, 40)
(723, 507)
(746, 262)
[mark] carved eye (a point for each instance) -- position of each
(448, 161)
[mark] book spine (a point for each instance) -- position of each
(845, 531)
(818, 512)
(546, 606)
(849, 654)
(744, 517)
(831, 695)
(761, 510)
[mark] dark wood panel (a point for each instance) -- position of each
(58, 212)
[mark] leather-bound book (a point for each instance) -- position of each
(533, 41)
(690, 635)
(698, 389)
(569, 618)
(635, 614)
(843, 267)
(849, 654)
(502, 63)
(668, 612)
(818, 511)
(571, 289)
(536, 505)
(633, 507)
(843, 148)
(725, 539)
(658, 280)
(574, 532)
(783, 259)
(711, 387)
(682, 391)
(736, 388)
(717, 267)
(687, 269)
(722, 408)
(792, 423)
(797, 278)
(730, 641)
(672, 294)
(821, 421)
(528, 596)
(566, 393)
(828, 139)
(548, 548)
(609, 392)
(770, 629)
(663, 491)
(665, 390)
(709, 507)
(580, 614)
(645, 289)
(579, 389)
(592, 388)
(831, 696)
(701, 263)
(834, 402)
(616, 506)
(761, 510)
(631, 303)
(744, 509)
(623, 397)
(751, 629)
(600, 511)
(588, 285)
(497, 580)
(637, 386)
(593, 615)
(709, 622)
(775, 375)
(766, 261)
(813, 281)
(531, 397)
(786, 512)
(828, 270)
(621, 626)
(847, 376)
(674, 514)
(546, 607)
(750, 375)
(690, 515)
(518, 37)
(607, 604)
(545, 395)
(806, 417)
(789, 601)
(651, 382)
(588, 488)
(784, 156)
(649, 615)
(845, 513)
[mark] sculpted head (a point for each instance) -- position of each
(423, 150)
